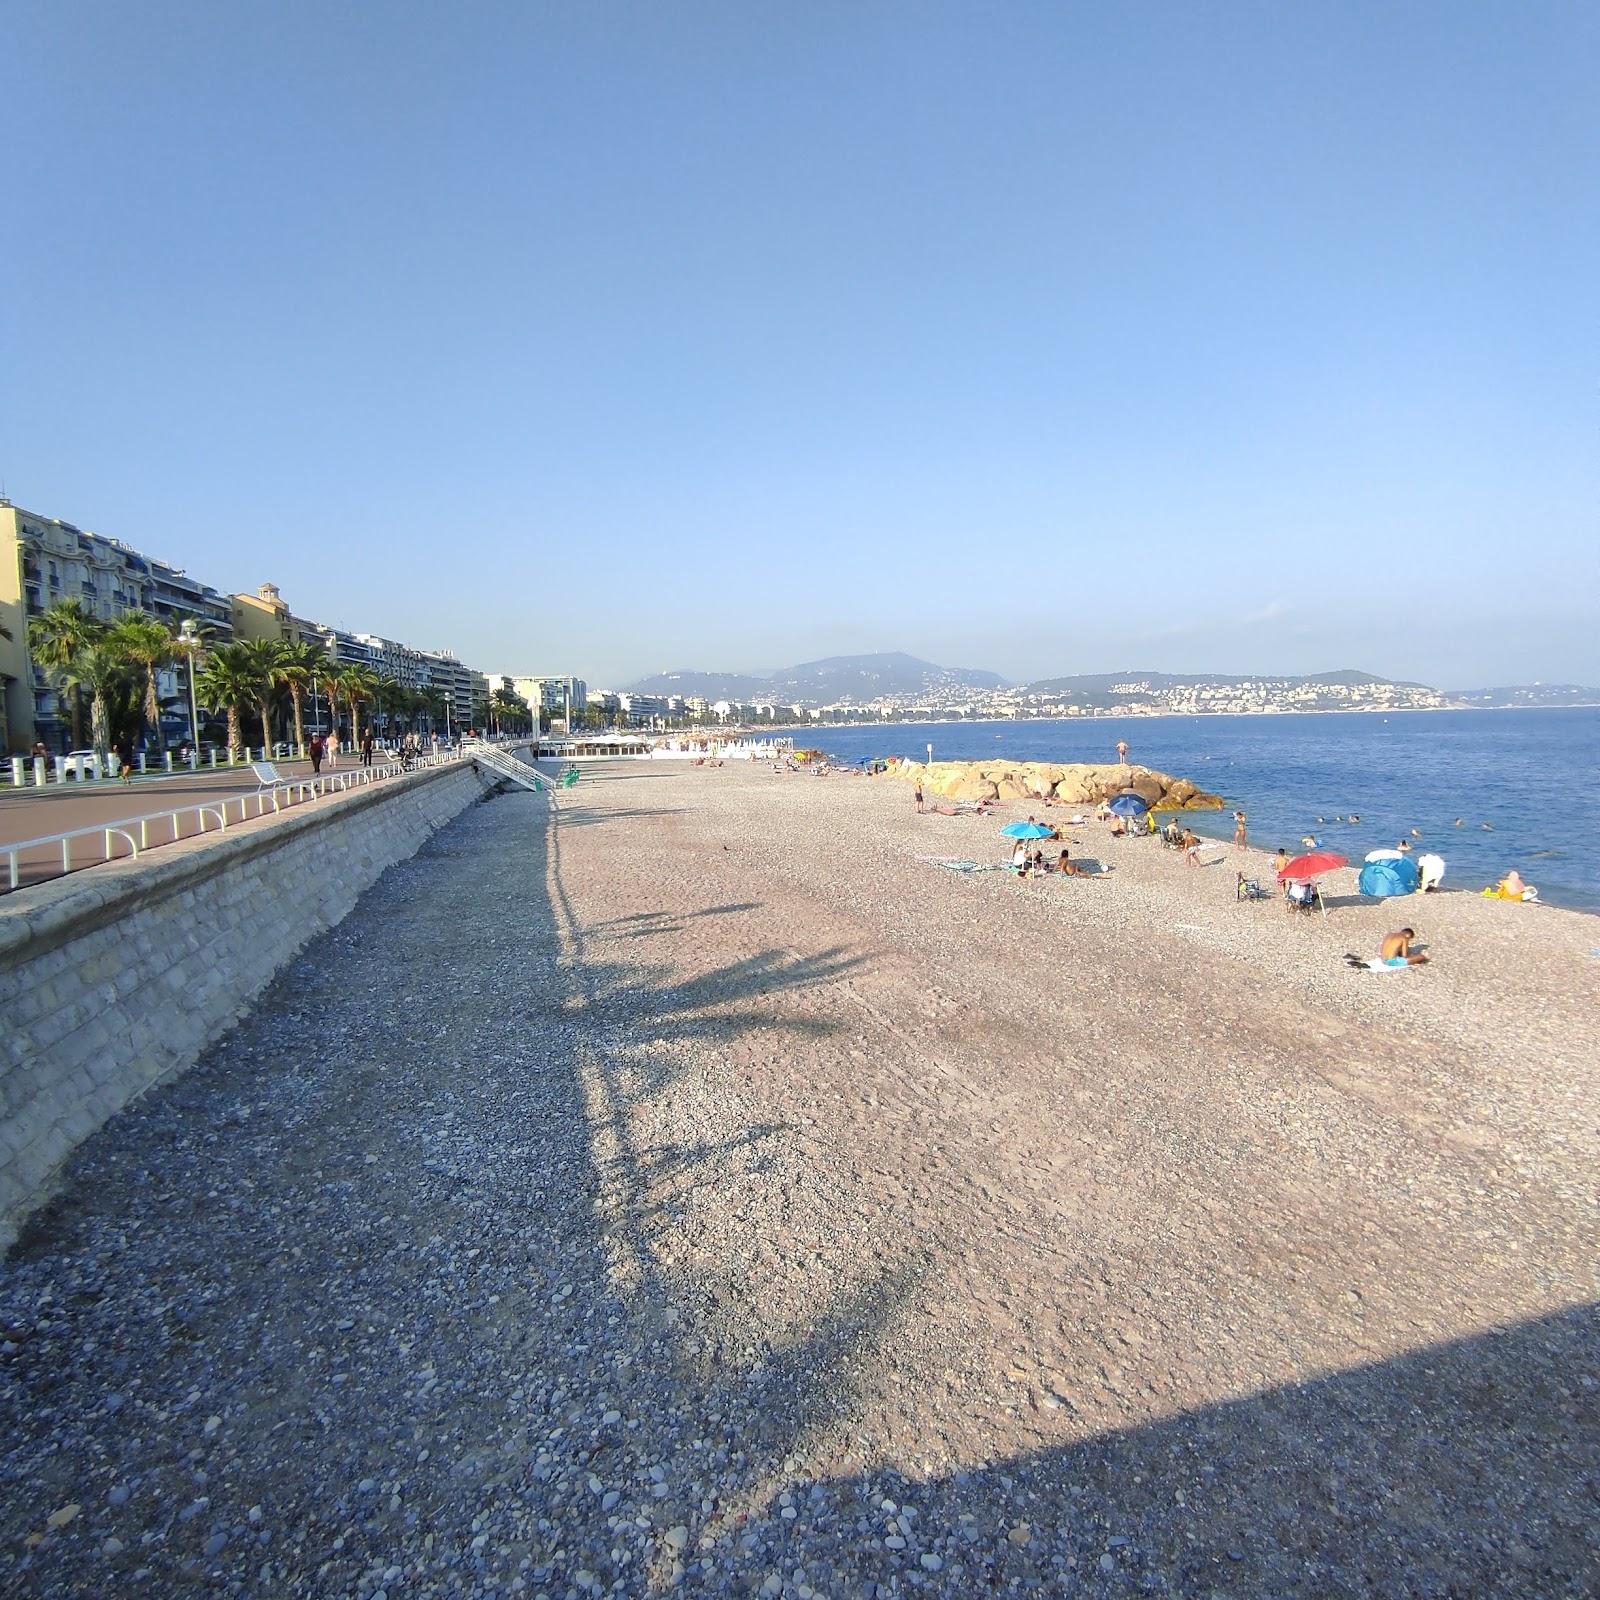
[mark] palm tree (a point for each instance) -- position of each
(332, 676)
(99, 669)
(431, 702)
(359, 685)
(294, 666)
(232, 679)
(263, 656)
(391, 697)
(54, 639)
(146, 645)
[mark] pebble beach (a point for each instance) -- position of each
(682, 1186)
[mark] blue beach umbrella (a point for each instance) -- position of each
(1026, 830)
(1385, 879)
(1129, 805)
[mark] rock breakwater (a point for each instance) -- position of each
(1071, 783)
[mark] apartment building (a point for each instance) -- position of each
(44, 560)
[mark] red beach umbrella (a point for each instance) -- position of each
(1304, 868)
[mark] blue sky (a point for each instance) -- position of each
(1044, 338)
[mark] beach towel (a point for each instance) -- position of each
(960, 864)
(1377, 963)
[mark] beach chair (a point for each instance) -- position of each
(1250, 889)
(1305, 897)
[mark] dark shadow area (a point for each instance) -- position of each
(1469, 1469)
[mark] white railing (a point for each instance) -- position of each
(168, 826)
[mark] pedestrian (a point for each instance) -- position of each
(918, 796)
(366, 748)
(330, 750)
(125, 760)
(1240, 835)
(317, 749)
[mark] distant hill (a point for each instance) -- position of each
(1086, 687)
(1527, 695)
(825, 682)
(705, 685)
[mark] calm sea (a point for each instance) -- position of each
(1531, 775)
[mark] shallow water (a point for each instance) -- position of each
(1530, 775)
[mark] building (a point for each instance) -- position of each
(464, 690)
(44, 560)
(642, 710)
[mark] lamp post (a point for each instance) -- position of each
(189, 641)
(447, 699)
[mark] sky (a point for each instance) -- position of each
(1042, 338)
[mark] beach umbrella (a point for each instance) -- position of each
(1026, 830)
(1385, 879)
(1129, 805)
(1304, 868)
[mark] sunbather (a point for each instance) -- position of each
(1395, 951)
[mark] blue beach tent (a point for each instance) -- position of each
(1385, 879)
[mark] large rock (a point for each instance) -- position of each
(1079, 783)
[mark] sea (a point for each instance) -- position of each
(1487, 790)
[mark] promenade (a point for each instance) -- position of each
(683, 1188)
(30, 813)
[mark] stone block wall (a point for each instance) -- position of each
(118, 977)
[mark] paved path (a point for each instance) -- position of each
(38, 813)
(694, 1193)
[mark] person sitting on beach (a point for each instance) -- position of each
(1395, 951)
(1070, 868)
(1019, 857)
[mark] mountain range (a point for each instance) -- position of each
(825, 682)
(865, 678)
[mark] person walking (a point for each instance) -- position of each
(366, 748)
(316, 749)
(330, 750)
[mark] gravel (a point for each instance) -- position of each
(699, 1194)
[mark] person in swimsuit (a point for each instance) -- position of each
(1396, 947)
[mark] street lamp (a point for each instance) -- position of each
(447, 699)
(189, 643)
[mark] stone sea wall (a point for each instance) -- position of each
(115, 978)
(1073, 783)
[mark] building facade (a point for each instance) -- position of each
(44, 560)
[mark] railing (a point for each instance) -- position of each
(146, 832)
